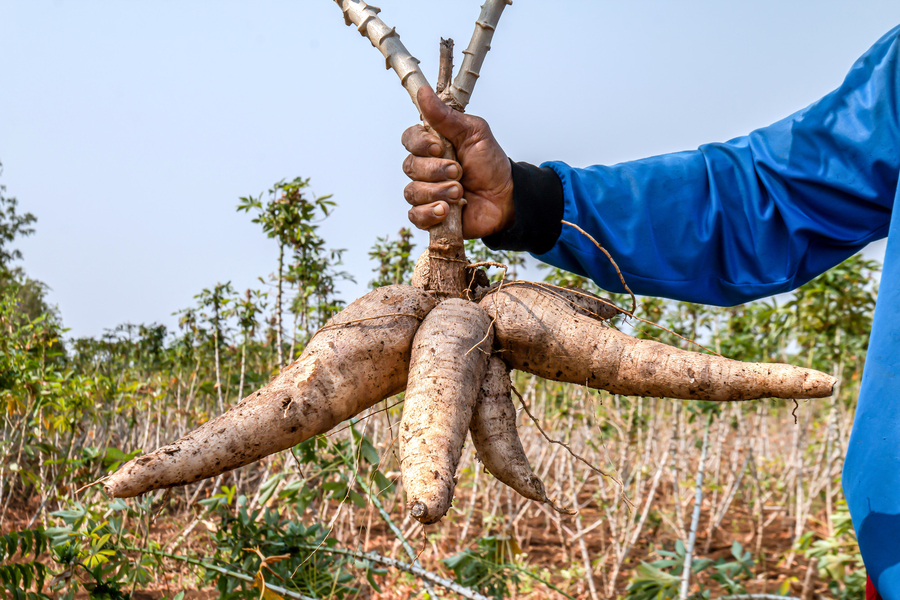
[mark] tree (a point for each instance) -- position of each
(394, 257)
(12, 225)
(288, 217)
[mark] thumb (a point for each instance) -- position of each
(443, 119)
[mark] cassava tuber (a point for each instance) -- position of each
(344, 370)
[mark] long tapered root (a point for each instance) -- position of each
(496, 438)
(542, 334)
(449, 358)
(360, 357)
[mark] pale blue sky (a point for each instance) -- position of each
(131, 128)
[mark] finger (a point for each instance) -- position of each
(419, 193)
(421, 142)
(429, 215)
(431, 169)
(446, 121)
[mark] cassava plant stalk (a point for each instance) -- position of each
(359, 358)
(473, 55)
(387, 41)
(446, 251)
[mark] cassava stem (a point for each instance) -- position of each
(343, 371)
(473, 55)
(449, 355)
(447, 273)
(387, 41)
(543, 334)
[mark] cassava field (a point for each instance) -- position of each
(752, 487)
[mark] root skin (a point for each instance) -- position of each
(344, 370)
(496, 439)
(585, 303)
(449, 357)
(542, 334)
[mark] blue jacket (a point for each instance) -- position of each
(752, 217)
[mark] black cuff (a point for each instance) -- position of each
(539, 204)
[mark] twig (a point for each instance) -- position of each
(371, 414)
(579, 531)
(193, 561)
(695, 518)
(390, 523)
(757, 597)
(640, 525)
(413, 569)
(572, 452)
(445, 72)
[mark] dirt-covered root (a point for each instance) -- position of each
(496, 438)
(543, 334)
(360, 357)
(449, 358)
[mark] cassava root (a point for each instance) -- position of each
(449, 356)
(543, 334)
(343, 371)
(495, 437)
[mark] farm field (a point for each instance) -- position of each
(753, 488)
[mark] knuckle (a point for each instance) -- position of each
(408, 165)
(409, 193)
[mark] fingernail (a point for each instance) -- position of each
(452, 172)
(453, 194)
(439, 210)
(435, 149)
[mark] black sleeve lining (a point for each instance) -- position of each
(539, 204)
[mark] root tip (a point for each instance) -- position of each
(418, 510)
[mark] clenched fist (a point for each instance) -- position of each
(482, 176)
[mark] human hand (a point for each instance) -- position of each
(482, 175)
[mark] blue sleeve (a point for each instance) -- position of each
(755, 216)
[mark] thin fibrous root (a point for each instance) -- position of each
(496, 439)
(611, 260)
(439, 401)
(542, 334)
(574, 454)
(343, 371)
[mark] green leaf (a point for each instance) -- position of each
(357, 499)
(12, 543)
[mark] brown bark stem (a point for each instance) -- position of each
(447, 255)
